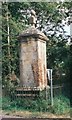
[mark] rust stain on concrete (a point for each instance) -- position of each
(35, 72)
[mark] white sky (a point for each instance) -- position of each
(67, 29)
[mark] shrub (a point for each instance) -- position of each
(6, 103)
(61, 105)
(0, 103)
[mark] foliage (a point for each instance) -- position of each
(0, 103)
(9, 88)
(61, 105)
(6, 103)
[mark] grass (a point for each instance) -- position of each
(37, 105)
(34, 114)
(61, 105)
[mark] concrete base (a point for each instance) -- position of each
(27, 91)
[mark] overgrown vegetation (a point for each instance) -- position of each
(61, 105)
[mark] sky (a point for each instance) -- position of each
(67, 29)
